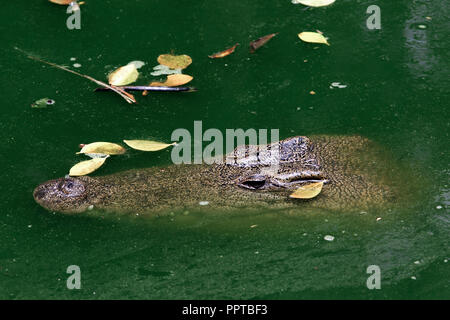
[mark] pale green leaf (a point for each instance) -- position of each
(146, 145)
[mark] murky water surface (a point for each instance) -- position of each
(396, 94)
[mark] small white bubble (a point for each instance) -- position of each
(203, 203)
(73, 59)
(29, 226)
(422, 26)
(91, 207)
(414, 278)
(379, 218)
(445, 260)
(328, 237)
(77, 65)
(439, 207)
(417, 262)
(305, 234)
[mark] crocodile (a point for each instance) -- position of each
(358, 174)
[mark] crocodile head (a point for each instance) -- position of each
(69, 194)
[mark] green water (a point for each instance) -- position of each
(397, 95)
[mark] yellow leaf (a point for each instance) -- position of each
(85, 167)
(124, 75)
(146, 145)
(308, 191)
(175, 62)
(313, 37)
(173, 80)
(63, 2)
(314, 3)
(103, 148)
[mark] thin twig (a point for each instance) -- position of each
(151, 88)
(127, 96)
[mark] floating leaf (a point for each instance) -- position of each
(308, 191)
(103, 147)
(175, 62)
(124, 75)
(255, 45)
(42, 103)
(224, 53)
(85, 167)
(62, 2)
(313, 37)
(173, 81)
(314, 3)
(146, 145)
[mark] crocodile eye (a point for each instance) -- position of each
(71, 187)
(254, 182)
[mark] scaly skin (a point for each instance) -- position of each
(357, 175)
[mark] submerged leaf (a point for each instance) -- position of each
(146, 145)
(308, 191)
(173, 81)
(161, 69)
(175, 62)
(85, 167)
(124, 75)
(314, 3)
(96, 155)
(258, 43)
(103, 148)
(137, 63)
(42, 103)
(313, 37)
(224, 53)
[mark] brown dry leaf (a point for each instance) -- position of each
(146, 145)
(173, 80)
(255, 45)
(103, 148)
(62, 2)
(224, 53)
(175, 62)
(85, 167)
(308, 191)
